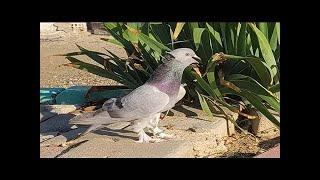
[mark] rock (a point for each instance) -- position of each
(263, 125)
(104, 147)
(58, 109)
(63, 138)
(205, 135)
(58, 123)
(218, 126)
(90, 108)
(48, 135)
(46, 115)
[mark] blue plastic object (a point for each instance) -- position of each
(73, 95)
(76, 95)
(47, 95)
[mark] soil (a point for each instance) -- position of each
(241, 145)
(52, 74)
(52, 71)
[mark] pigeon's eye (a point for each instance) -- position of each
(187, 54)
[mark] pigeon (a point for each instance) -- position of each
(153, 122)
(144, 105)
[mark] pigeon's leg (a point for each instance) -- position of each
(143, 137)
(156, 130)
(139, 126)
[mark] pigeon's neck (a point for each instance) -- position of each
(167, 78)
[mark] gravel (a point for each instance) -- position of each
(52, 74)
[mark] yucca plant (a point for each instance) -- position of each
(239, 61)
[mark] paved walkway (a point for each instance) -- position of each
(271, 153)
(194, 137)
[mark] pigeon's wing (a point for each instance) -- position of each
(142, 102)
(181, 93)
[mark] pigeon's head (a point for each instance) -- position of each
(183, 56)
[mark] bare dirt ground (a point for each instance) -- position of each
(52, 74)
(241, 145)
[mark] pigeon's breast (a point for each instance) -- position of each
(172, 90)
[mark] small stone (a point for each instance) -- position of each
(227, 141)
(59, 109)
(48, 135)
(64, 145)
(196, 148)
(169, 126)
(191, 129)
(89, 108)
(74, 127)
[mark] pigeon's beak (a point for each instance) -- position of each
(195, 57)
(196, 61)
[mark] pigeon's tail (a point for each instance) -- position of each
(88, 119)
(93, 118)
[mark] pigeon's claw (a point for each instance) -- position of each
(165, 136)
(157, 132)
(144, 138)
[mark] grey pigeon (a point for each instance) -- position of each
(144, 105)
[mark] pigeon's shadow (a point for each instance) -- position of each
(114, 133)
(183, 110)
(189, 113)
(46, 113)
(74, 134)
(59, 122)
